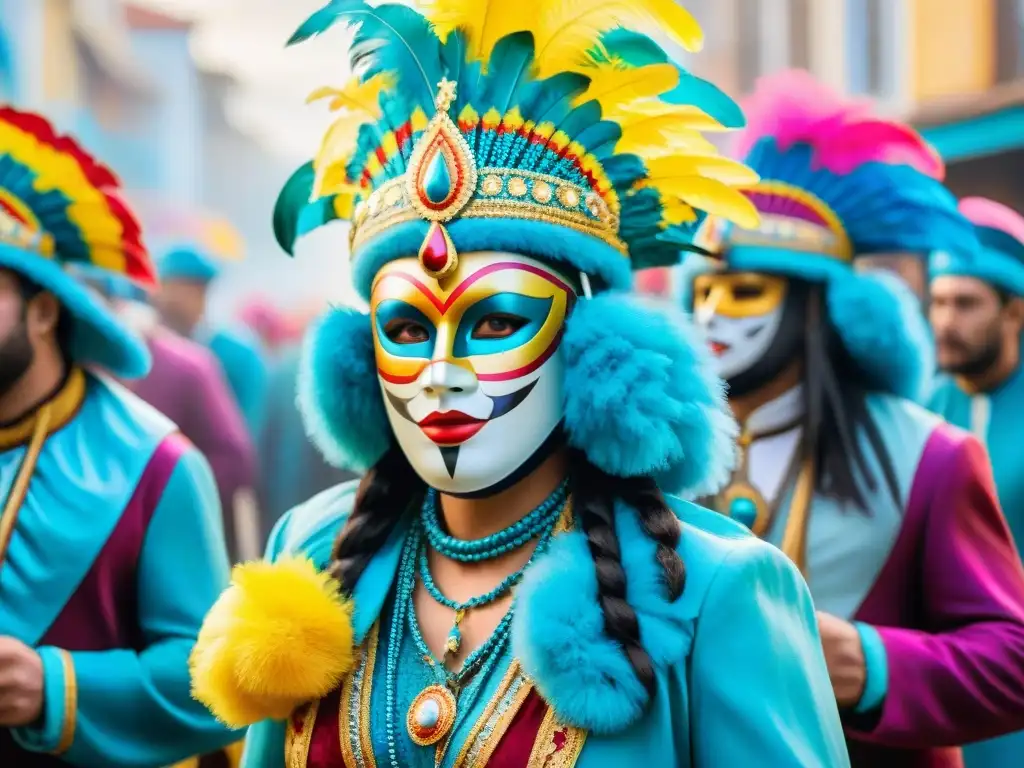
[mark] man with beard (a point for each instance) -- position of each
(890, 513)
(186, 273)
(111, 549)
(977, 312)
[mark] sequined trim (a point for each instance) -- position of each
(490, 728)
(67, 731)
(498, 193)
(557, 745)
(299, 735)
(354, 709)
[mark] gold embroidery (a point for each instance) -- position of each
(354, 720)
(557, 745)
(492, 725)
(297, 740)
(67, 731)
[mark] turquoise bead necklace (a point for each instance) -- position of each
(434, 713)
(489, 547)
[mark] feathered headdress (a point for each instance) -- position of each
(539, 127)
(1000, 256)
(838, 182)
(59, 207)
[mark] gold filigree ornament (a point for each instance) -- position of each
(441, 181)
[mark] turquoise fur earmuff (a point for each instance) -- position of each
(640, 396)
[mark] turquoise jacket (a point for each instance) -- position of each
(741, 679)
(117, 554)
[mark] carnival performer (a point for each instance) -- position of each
(890, 513)
(508, 585)
(111, 549)
(186, 275)
(187, 385)
(977, 311)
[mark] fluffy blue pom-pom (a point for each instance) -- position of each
(338, 392)
(884, 330)
(641, 397)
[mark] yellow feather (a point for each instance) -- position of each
(677, 212)
(613, 86)
(564, 29)
(362, 98)
(665, 171)
(718, 199)
(653, 114)
(653, 143)
(484, 22)
(335, 150)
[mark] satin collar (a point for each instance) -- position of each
(64, 404)
(776, 414)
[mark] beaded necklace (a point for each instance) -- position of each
(434, 713)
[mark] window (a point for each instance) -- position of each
(1009, 18)
(749, 19)
(872, 46)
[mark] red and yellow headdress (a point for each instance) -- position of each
(60, 207)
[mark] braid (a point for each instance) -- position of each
(384, 495)
(594, 494)
(662, 525)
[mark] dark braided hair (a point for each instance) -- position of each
(392, 488)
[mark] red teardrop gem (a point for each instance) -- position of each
(434, 256)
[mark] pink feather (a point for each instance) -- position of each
(793, 107)
(988, 213)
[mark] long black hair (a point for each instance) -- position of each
(836, 412)
(392, 489)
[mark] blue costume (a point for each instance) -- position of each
(239, 351)
(503, 172)
(994, 417)
(111, 547)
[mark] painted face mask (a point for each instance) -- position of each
(741, 313)
(470, 365)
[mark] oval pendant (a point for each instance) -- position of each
(431, 715)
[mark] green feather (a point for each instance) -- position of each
(294, 196)
(508, 69)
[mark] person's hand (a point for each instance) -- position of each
(21, 684)
(844, 656)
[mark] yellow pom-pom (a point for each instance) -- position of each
(278, 637)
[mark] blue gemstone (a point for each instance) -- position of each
(743, 510)
(427, 714)
(437, 182)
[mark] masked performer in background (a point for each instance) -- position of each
(508, 585)
(977, 311)
(890, 513)
(111, 549)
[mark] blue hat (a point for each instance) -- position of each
(188, 262)
(60, 208)
(838, 183)
(1000, 256)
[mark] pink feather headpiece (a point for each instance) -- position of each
(792, 107)
(988, 213)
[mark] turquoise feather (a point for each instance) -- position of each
(290, 202)
(639, 50)
(624, 170)
(544, 101)
(580, 118)
(409, 50)
(325, 18)
(600, 138)
(508, 68)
